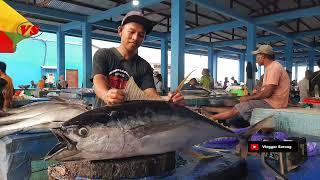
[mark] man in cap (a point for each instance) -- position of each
(314, 80)
(113, 67)
(274, 92)
(8, 90)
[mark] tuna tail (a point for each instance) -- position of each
(266, 122)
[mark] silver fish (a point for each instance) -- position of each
(30, 111)
(51, 118)
(132, 129)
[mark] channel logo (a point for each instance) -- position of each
(272, 146)
(254, 147)
(27, 29)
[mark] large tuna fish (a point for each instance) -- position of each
(132, 129)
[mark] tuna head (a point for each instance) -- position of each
(65, 148)
(86, 142)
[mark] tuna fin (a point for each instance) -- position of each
(183, 81)
(266, 122)
(133, 92)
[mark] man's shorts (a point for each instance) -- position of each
(246, 108)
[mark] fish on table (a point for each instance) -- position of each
(38, 116)
(132, 129)
(30, 111)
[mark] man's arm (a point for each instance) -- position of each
(176, 98)
(152, 92)
(266, 92)
(100, 85)
(103, 91)
(6, 100)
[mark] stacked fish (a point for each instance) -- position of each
(40, 115)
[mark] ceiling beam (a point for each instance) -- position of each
(282, 16)
(122, 9)
(68, 16)
(214, 28)
(236, 24)
(78, 33)
(46, 12)
(216, 7)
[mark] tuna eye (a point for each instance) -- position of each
(83, 132)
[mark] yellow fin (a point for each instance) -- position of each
(183, 81)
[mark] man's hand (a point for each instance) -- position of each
(205, 113)
(177, 98)
(4, 93)
(244, 98)
(254, 91)
(113, 96)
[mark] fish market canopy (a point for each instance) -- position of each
(13, 28)
(219, 24)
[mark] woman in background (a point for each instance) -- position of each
(62, 83)
(158, 83)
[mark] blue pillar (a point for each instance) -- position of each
(87, 54)
(288, 55)
(311, 60)
(210, 61)
(215, 66)
(251, 46)
(241, 68)
(177, 42)
(164, 62)
(60, 54)
(259, 72)
(296, 71)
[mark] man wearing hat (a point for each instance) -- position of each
(274, 92)
(7, 90)
(112, 67)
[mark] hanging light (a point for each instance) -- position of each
(135, 2)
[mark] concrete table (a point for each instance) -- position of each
(291, 120)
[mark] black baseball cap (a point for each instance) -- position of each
(137, 17)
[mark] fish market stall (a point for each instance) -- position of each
(214, 98)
